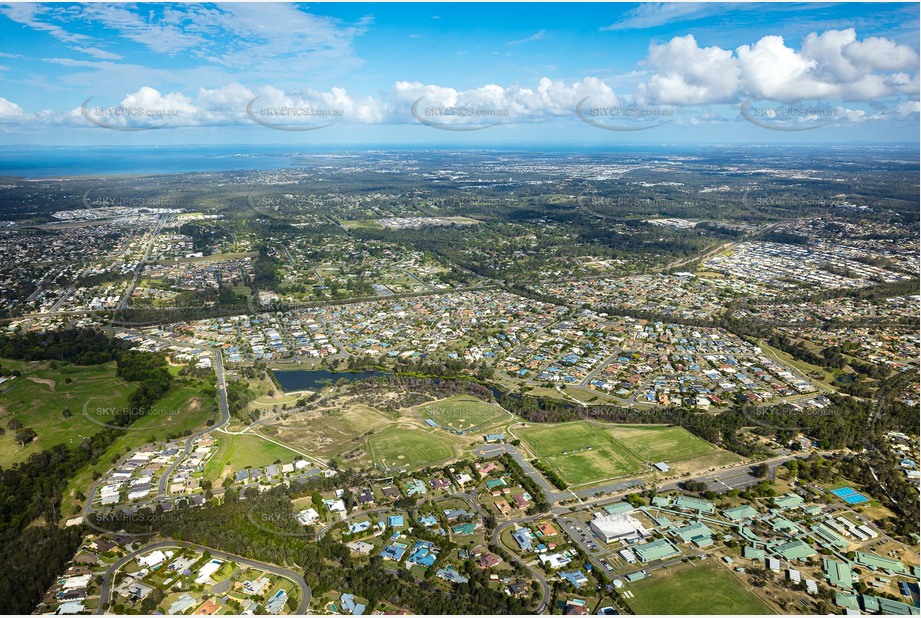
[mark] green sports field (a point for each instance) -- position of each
(595, 452)
(401, 446)
(694, 589)
(462, 413)
(579, 452)
(662, 443)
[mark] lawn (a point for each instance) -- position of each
(694, 589)
(462, 413)
(406, 446)
(237, 452)
(40, 405)
(182, 409)
(654, 443)
(828, 377)
(579, 452)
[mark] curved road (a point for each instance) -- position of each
(165, 476)
(497, 541)
(105, 591)
(225, 418)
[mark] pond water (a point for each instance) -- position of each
(315, 379)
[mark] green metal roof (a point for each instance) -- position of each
(843, 599)
(788, 501)
(618, 507)
(838, 573)
(693, 532)
(686, 502)
(795, 550)
(753, 553)
(738, 513)
(782, 523)
(878, 562)
(888, 606)
(656, 550)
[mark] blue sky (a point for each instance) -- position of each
(481, 74)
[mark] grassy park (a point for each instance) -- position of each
(694, 589)
(462, 413)
(401, 446)
(654, 443)
(236, 452)
(579, 452)
(583, 453)
(329, 433)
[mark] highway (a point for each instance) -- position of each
(140, 267)
(106, 589)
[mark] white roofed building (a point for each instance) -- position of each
(619, 527)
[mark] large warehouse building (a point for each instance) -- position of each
(619, 527)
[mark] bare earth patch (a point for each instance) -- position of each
(49, 383)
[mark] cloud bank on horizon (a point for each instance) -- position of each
(74, 68)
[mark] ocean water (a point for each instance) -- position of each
(63, 161)
(43, 161)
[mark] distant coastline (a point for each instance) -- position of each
(49, 162)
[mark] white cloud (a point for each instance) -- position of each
(96, 52)
(9, 110)
(272, 38)
(537, 36)
(876, 53)
(833, 65)
(770, 69)
(549, 98)
(38, 17)
(907, 108)
(686, 74)
(336, 103)
(652, 14)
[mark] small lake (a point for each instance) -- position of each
(315, 379)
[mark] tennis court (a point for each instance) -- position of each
(849, 495)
